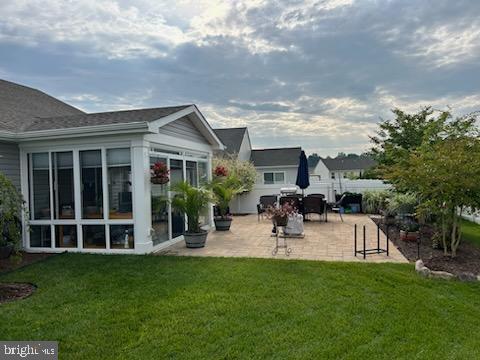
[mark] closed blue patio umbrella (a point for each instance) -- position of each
(303, 180)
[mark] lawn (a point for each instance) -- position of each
(148, 307)
(471, 232)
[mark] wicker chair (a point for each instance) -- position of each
(314, 205)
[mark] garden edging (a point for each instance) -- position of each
(424, 271)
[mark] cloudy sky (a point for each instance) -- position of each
(318, 74)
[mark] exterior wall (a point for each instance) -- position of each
(321, 171)
(290, 174)
(10, 162)
(184, 129)
(247, 203)
(245, 148)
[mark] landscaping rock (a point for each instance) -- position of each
(442, 275)
(418, 265)
(424, 271)
(467, 277)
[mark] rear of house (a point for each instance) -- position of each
(86, 177)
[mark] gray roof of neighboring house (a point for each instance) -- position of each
(20, 105)
(276, 156)
(232, 138)
(26, 109)
(346, 163)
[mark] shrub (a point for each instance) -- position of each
(11, 206)
(244, 171)
(375, 200)
(402, 204)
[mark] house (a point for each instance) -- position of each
(276, 166)
(237, 142)
(85, 177)
(340, 167)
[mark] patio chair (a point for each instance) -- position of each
(314, 205)
(346, 200)
(321, 196)
(264, 203)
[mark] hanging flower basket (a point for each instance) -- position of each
(159, 173)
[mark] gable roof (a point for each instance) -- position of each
(276, 156)
(102, 118)
(21, 105)
(347, 163)
(232, 138)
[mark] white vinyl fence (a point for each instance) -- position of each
(247, 203)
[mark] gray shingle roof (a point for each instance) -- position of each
(24, 109)
(360, 163)
(276, 156)
(20, 105)
(103, 118)
(231, 138)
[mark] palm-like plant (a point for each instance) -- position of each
(191, 201)
(224, 190)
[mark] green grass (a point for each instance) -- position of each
(147, 307)
(471, 232)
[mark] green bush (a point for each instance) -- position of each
(401, 204)
(375, 200)
(11, 206)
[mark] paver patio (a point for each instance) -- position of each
(331, 241)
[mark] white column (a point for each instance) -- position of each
(25, 193)
(142, 214)
(210, 206)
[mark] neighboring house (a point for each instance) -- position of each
(340, 168)
(237, 142)
(86, 177)
(276, 166)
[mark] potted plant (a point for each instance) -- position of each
(279, 215)
(224, 189)
(159, 173)
(191, 201)
(409, 231)
(11, 206)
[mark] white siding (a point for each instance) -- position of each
(185, 129)
(245, 150)
(10, 162)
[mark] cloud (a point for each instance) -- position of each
(315, 73)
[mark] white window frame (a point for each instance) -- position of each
(274, 182)
(78, 221)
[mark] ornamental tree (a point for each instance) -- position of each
(444, 173)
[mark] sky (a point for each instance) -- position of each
(316, 74)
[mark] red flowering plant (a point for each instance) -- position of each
(159, 173)
(220, 171)
(279, 215)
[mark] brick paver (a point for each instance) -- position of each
(331, 241)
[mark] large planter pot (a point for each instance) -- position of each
(195, 240)
(409, 235)
(6, 251)
(222, 224)
(280, 220)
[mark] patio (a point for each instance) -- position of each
(331, 241)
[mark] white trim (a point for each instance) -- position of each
(276, 167)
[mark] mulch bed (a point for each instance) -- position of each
(467, 259)
(15, 291)
(25, 259)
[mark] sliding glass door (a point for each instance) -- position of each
(178, 218)
(160, 207)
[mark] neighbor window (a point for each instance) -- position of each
(270, 178)
(119, 183)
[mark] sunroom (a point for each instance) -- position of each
(86, 179)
